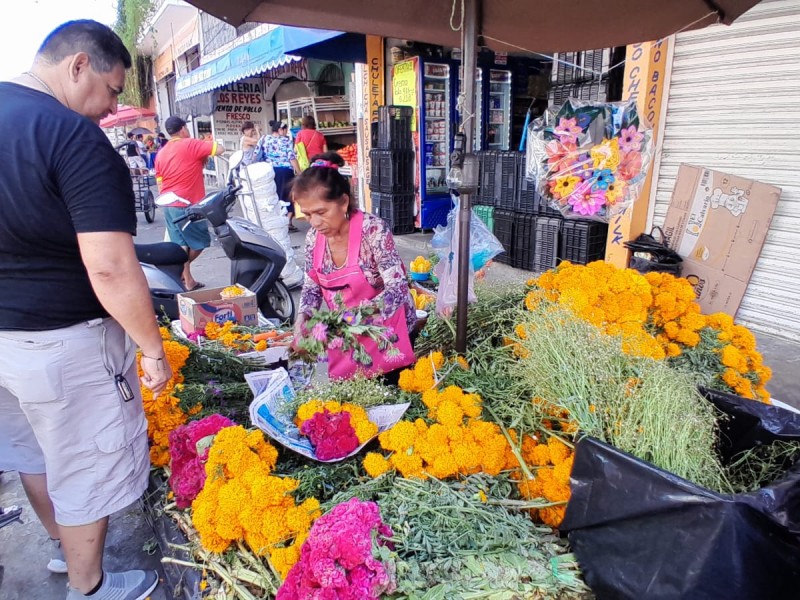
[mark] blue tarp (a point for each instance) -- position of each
(325, 45)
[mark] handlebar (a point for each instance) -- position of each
(213, 207)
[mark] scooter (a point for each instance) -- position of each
(256, 259)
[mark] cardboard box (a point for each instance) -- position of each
(203, 306)
(718, 224)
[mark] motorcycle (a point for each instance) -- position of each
(256, 259)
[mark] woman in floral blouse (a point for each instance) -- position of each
(352, 254)
(277, 149)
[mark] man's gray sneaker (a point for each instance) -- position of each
(130, 585)
(57, 563)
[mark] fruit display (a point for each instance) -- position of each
(421, 265)
(349, 154)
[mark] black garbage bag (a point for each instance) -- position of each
(642, 533)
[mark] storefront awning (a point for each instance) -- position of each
(248, 60)
(325, 45)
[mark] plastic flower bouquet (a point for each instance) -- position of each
(589, 158)
(339, 329)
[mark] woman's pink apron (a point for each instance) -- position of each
(350, 282)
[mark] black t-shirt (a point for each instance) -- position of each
(59, 176)
(132, 149)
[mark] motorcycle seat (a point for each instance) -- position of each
(161, 254)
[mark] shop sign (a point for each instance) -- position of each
(236, 103)
(645, 70)
(164, 64)
(404, 86)
(376, 63)
(501, 58)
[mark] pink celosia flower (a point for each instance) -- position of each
(187, 461)
(331, 434)
(337, 562)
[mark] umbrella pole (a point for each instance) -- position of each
(470, 59)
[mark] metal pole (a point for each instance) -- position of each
(469, 64)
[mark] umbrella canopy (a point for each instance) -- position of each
(127, 115)
(140, 131)
(504, 25)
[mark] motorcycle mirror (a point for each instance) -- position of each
(170, 198)
(235, 160)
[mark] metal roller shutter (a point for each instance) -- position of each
(734, 105)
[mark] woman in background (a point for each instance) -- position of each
(248, 142)
(312, 139)
(277, 149)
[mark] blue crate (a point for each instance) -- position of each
(434, 212)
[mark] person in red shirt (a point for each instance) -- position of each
(312, 139)
(179, 169)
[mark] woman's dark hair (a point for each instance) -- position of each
(276, 126)
(104, 47)
(248, 125)
(309, 122)
(334, 184)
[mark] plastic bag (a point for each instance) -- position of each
(483, 247)
(653, 255)
(641, 532)
(589, 159)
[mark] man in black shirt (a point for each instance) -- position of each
(72, 421)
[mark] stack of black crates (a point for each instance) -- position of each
(535, 236)
(392, 169)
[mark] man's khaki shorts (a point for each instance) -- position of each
(62, 413)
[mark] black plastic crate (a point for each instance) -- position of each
(391, 171)
(508, 166)
(583, 241)
(487, 161)
(394, 127)
(504, 232)
(524, 245)
(548, 230)
(396, 209)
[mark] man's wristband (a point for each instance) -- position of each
(152, 357)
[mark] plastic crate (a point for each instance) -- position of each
(394, 127)
(485, 214)
(391, 171)
(488, 173)
(524, 252)
(583, 241)
(396, 209)
(508, 165)
(434, 212)
(504, 232)
(548, 230)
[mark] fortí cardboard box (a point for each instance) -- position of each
(718, 224)
(203, 306)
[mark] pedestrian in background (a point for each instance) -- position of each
(72, 423)
(277, 149)
(179, 169)
(313, 141)
(248, 142)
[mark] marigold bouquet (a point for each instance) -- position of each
(590, 158)
(338, 558)
(339, 329)
(188, 450)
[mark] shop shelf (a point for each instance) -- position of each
(524, 243)
(583, 241)
(394, 127)
(504, 232)
(392, 171)
(548, 230)
(433, 212)
(396, 209)
(485, 214)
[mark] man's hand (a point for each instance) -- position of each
(157, 374)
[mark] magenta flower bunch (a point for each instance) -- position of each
(331, 433)
(340, 327)
(188, 451)
(338, 559)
